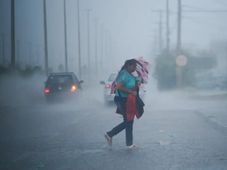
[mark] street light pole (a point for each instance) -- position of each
(18, 54)
(167, 26)
(160, 42)
(88, 39)
(65, 34)
(160, 31)
(78, 23)
(3, 49)
(179, 68)
(96, 45)
(101, 47)
(45, 37)
(179, 27)
(226, 57)
(13, 54)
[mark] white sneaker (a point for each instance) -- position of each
(132, 146)
(108, 139)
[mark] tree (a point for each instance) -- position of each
(165, 70)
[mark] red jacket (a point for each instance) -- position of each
(131, 110)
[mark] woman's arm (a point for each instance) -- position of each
(122, 88)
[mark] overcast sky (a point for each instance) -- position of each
(129, 28)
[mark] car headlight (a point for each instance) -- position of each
(74, 88)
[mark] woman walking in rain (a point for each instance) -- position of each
(126, 91)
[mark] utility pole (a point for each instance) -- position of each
(155, 48)
(13, 54)
(179, 19)
(179, 57)
(167, 26)
(101, 47)
(65, 34)
(96, 44)
(104, 48)
(160, 31)
(226, 56)
(18, 54)
(30, 63)
(78, 21)
(3, 49)
(88, 39)
(45, 37)
(160, 42)
(108, 46)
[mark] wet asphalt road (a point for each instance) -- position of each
(69, 136)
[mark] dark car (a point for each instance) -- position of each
(65, 84)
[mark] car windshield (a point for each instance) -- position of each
(112, 77)
(60, 79)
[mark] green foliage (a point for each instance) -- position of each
(202, 63)
(27, 72)
(165, 70)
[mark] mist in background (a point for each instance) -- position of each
(111, 31)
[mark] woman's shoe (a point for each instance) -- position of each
(132, 146)
(108, 139)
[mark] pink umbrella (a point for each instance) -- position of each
(142, 69)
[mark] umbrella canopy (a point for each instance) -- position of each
(142, 69)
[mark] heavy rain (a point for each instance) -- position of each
(65, 64)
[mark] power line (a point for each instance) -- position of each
(200, 21)
(192, 7)
(199, 9)
(164, 11)
(207, 11)
(196, 10)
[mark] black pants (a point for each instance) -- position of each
(127, 125)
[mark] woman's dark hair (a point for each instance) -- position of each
(128, 63)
